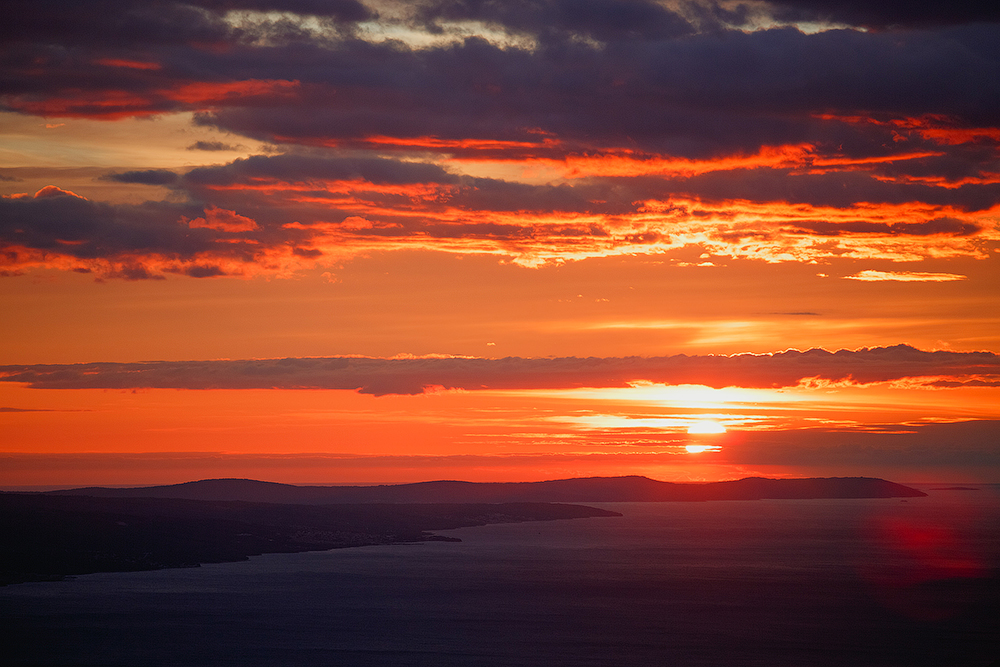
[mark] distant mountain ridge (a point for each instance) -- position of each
(582, 489)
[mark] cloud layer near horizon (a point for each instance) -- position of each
(533, 131)
(917, 449)
(417, 375)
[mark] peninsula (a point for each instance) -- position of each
(48, 537)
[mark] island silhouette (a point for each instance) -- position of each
(631, 488)
(51, 535)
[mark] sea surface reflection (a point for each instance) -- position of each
(779, 583)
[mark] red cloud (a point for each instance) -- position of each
(129, 64)
(115, 103)
(224, 221)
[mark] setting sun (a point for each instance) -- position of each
(705, 428)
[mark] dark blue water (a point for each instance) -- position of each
(769, 583)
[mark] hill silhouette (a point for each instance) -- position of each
(585, 489)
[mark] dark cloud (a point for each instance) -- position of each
(115, 240)
(258, 199)
(56, 219)
(496, 195)
(285, 174)
(937, 227)
(143, 177)
(201, 271)
(973, 162)
(607, 196)
(604, 20)
(295, 168)
(705, 94)
(839, 189)
(263, 207)
(886, 13)
(347, 10)
(971, 443)
(951, 384)
(214, 146)
(140, 23)
(891, 117)
(108, 22)
(413, 376)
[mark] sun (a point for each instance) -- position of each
(706, 428)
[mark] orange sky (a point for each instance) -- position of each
(492, 187)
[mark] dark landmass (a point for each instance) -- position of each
(580, 490)
(59, 533)
(48, 537)
(956, 488)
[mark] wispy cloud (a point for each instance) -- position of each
(905, 276)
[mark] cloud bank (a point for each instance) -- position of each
(784, 130)
(417, 375)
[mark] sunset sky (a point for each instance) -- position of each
(364, 241)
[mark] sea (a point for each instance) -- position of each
(774, 583)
